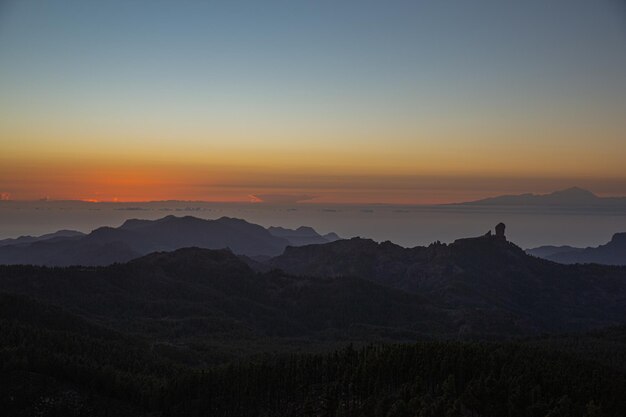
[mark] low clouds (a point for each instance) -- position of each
(280, 198)
(5, 196)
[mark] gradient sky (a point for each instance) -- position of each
(343, 101)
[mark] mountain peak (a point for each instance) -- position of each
(307, 230)
(619, 238)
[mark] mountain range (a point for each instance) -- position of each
(484, 285)
(134, 238)
(611, 253)
(481, 279)
(573, 197)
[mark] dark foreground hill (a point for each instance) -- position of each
(479, 278)
(611, 253)
(54, 363)
(199, 294)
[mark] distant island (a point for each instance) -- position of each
(574, 196)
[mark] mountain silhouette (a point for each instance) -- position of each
(611, 253)
(480, 278)
(61, 234)
(134, 238)
(547, 251)
(303, 235)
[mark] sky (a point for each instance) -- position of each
(405, 102)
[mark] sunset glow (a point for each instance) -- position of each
(167, 107)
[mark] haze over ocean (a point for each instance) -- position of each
(403, 224)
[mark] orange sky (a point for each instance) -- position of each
(437, 164)
(416, 103)
(366, 178)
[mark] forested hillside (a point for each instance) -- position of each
(54, 363)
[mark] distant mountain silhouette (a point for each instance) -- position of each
(611, 253)
(134, 238)
(482, 279)
(573, 196)
(303, 235)
(332, 236)
(30, 239)
(547, 251)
